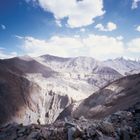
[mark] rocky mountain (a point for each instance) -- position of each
(124, 66)
(118, 95)
(24, 100)
(80, 72)
(37, 90)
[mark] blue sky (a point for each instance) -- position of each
(101, 28)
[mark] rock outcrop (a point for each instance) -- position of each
(122, 125)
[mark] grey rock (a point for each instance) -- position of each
(107, 128)
(32, 135)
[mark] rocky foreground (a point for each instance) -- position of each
(123, 125)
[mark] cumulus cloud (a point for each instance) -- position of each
(134, 45)
(62, 46)
(96, 46)
(109, 27)
(135, 4)
(3, 27)
(119, 37)
(78, 13)
(138, 28)
(103, 46)
(82, 29)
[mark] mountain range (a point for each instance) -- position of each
(46, 88)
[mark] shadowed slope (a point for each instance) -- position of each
(23, 100)
(26, 65)
(15, 92)
(116, 96)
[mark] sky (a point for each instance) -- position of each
(102, 29)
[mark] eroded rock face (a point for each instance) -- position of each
(43, 110)
(23, 100)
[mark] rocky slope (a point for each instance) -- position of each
(122, 125)
(23, 100)
(119, 95)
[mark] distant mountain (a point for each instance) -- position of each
(124, 66)
(25, 65)
(54, 58)
(118, 95)
(91, 65)
(77, 64)
(87, 70)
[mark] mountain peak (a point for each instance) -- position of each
(120, 58)
(54, 58)
(25, 57)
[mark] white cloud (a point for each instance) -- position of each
(134, 45)
(100, 27)
(62, 46)
(103, 46)
(109, 27)
(77, 36)
(82, 29)
(3, 27)
(96, 46)
(135, 4)
(119, 37)
(78, 13)
(138, 28)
